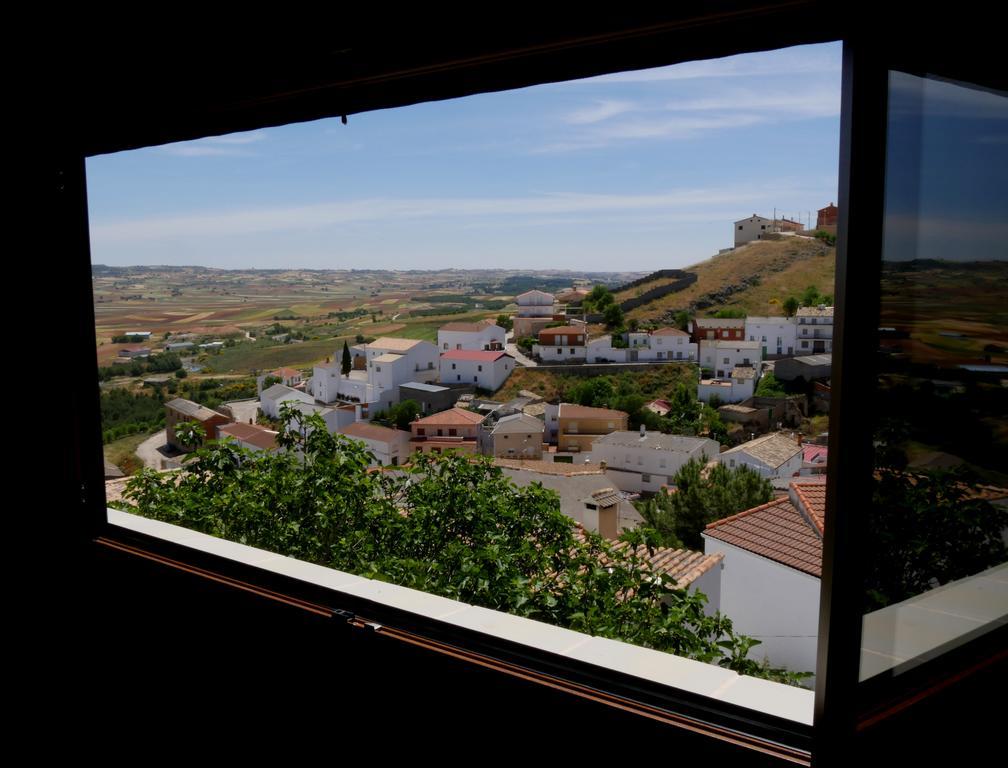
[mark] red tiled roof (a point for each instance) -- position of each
(683, 565)
(451, 416)
(286, 373)
(777, 531)
(486, 355)
(253, 434)
(811, 496)
(562, 329)
(814, 453)
(377, 432)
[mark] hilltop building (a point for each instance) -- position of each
(753, 228)
(827, 218)
(536, 310)
(384, 365)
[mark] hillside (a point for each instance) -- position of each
(754, 278)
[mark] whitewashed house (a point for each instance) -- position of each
(645, 461)
(484, 369)
(815, 330)
(643, 346)
(565, 343)
(738, 386)
(774, 456)
(391, 447)
(289, 377)
(381, 367)
(753, 228)
(484, 335)
(271, 398)
(722, 356)
(536, 309)
(776, 335)
(771, 571)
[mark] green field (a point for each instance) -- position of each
(266, 355)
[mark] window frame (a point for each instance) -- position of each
(841, 704)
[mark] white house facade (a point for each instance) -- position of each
(645, 461)
(391, 447)
(381, 367)
(271, 398)
(815, 330)
(471, 336)
(739, 386)
(776, 335)
(773, 456)
(482, 368)
(770, 578)
(643, 346)
(567, 343)
(723, 356)
(753, 228)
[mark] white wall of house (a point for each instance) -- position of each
(484, 339)
(642, 347)
(777, 605)
(378, 384)
(740, 457)
(271, 406)
(535, 304)
(815, 334)
(727, 390)
(551, 418)
(753, 228)
(637, 469)
(485, 374)
(721, 356)
(559, 354)
(673, 348)
(396, 451)
(777, 335)
(601, 350)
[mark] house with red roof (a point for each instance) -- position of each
(483, 368)
(391, 447)
(771, 571)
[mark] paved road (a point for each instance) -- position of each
(517, 353)
(152, 450)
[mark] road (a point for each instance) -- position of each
(516, 353)
(152, 450)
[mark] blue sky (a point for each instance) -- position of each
(632, 171)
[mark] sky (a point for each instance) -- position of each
(632, 171)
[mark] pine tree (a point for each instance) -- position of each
(346, 364)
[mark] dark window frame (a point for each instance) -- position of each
(843, 707)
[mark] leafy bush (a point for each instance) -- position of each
(445, 525)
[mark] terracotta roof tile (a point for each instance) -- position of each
(571, 411)
(777, 531)
(485, 355)
(683, 565)
(258, 436)
(376, 432)
(451, 416)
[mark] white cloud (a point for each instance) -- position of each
(217, 146)
(601, 110)
(392, 210)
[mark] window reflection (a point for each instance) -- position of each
(938, 528)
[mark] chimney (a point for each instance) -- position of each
(643, 431)
(357, 412)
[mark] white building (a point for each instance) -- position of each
(776, 335)
(645, 461)
(774, 456)
(272, 397)
(739, 386)
(723, 356)
(536, 309)
(250, 436)
(565, 343)
(289, 377)
(391, 447)
(815, 330)
(473, 336)
(753, 228)
(770, 576)
(483, 369)
(380, 368)
(643, 346)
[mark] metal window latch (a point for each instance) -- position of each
(355, 620)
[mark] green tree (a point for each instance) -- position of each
(702, 496)
(346, 364)
(401, 415)
(505, 322)
(181, 373)
(613, 316)
(790, 306)
(190, 434)
(769, 386)
(447, 525)
(810, 297)
(682, 319)
(599, 298)
(270, 380)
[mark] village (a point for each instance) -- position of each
(760, 378)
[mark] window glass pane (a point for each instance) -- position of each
(937, 532)
(303, 308)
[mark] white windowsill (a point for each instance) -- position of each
(788, 702)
